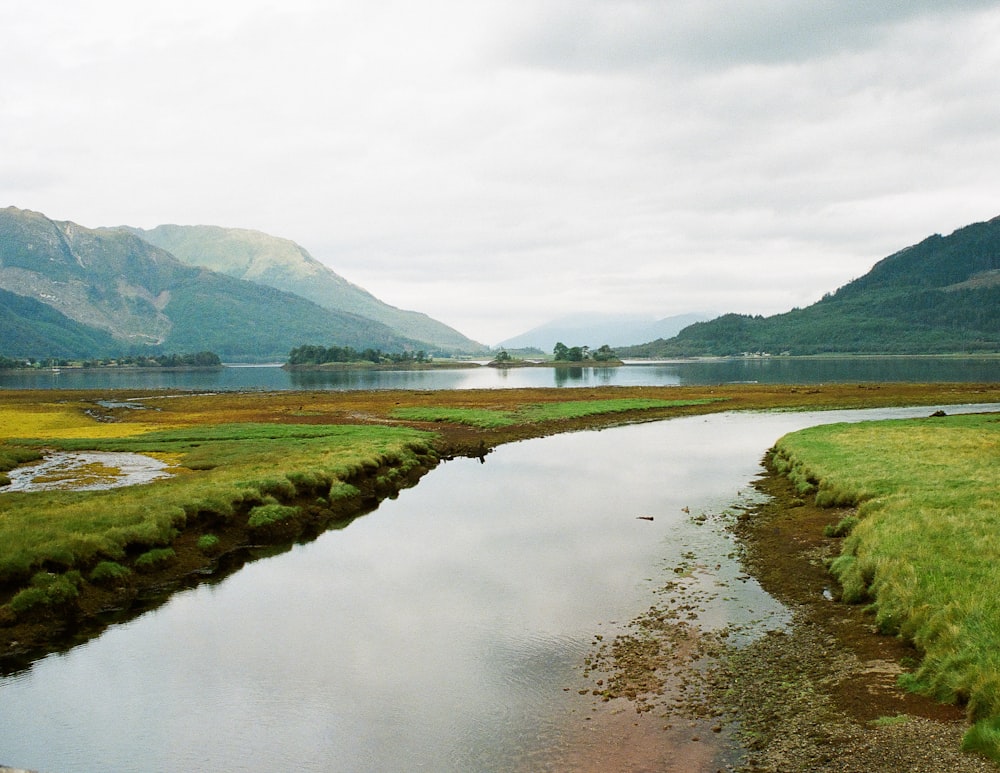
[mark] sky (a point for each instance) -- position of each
(497, 165)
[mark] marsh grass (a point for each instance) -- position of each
(155, 558)
(47, 589)
(108, 571)
(486, 418)
(925, 550)
(228, 468)
(208, 543)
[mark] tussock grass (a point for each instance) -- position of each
(925, 549)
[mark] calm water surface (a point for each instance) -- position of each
(437, 633)
(774, 370)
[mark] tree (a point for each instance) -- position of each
(561, 351)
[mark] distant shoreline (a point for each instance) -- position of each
(382, 366)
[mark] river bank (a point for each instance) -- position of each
(817, 694)
(456, 439)
(65, 624)
(822, 695)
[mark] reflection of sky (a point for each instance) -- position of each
(437, 631)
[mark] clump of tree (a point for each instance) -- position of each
(310, 354)
(563, 353)
(196, 360)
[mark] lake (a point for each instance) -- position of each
(764, 370)
(445, 631)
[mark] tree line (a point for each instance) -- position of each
(196, 360)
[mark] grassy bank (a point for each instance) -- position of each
(922, 545)
(251, 469)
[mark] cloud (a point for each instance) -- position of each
(499, 164)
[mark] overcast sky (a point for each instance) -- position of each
(499, 164)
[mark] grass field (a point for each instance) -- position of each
(924, 545)
(486, 418)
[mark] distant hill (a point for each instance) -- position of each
(283, 264)
(596, 329)
(111, 283)
(939, 296)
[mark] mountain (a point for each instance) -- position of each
(597, 329)
(29, 328)
(939, 296)
(283, 264)
(113, 283)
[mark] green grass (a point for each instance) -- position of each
(266, 515)
(225, 468)
(925, 550)
(208, 543)
(486, 418)
(483, 418)
(155, 558)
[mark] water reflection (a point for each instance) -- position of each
(765, 370)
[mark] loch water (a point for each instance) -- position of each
(444, 631)
(763, 370)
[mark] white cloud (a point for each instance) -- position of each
(498, 164)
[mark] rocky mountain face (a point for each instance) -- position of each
(115, 283)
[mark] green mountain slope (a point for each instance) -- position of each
(29, 328)
(283, 264)
(111, 280)
(939, 296)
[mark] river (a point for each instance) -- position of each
(764, 370)
(445, 631)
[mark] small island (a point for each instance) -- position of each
(562, 357)
(313, 357)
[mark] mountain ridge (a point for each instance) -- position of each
(285, 265)
(596, 329)
(112, 281)
(941, 295)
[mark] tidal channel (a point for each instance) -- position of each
(445, 631)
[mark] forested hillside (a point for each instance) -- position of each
(29, 328)
(939, 296)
